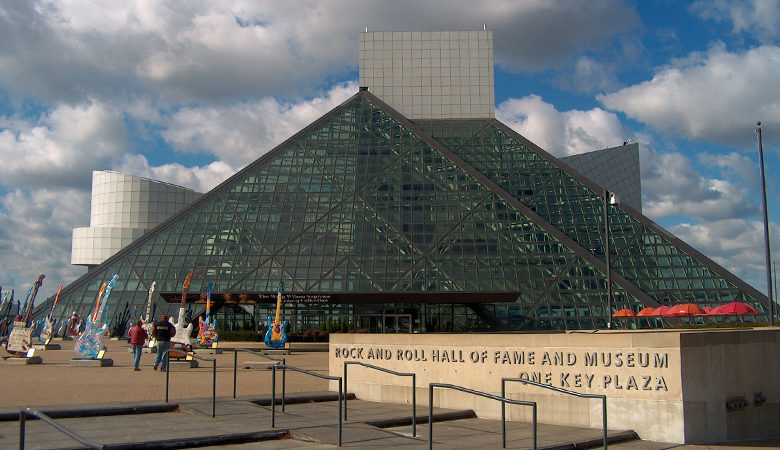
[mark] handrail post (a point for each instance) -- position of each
(273, 396)
(414, 403)
(214, 391)
(235, 370)
(604, 419)
(430, 416)
(503, 426)
(503, 412)
(22, 422)
(340, 422)
(284, 382)
(345, 388)
(167, 376)
(534, 425)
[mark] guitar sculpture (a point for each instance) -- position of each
(183, 329)
(208, 333)
(276, 336)
(149, 321)
(20, 339)
(46, 333)
(90, 342)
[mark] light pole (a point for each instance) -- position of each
(766, 229)
(609, 199)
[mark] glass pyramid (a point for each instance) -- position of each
(365, 211)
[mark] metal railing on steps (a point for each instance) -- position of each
(24, 412)
(213, 379)
(563, 391)
(235, 367)
(393, 372)
(306, 372)
(502, 399)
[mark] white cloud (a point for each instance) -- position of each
(672, 187)
(35, 237)
(735, 244)
(716, 96)
(205, 51)
(61, 147)
(561, 133)
(201, 179)
(753, 17)
(240, 133)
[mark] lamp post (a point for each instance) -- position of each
(609, 199)
(766, 229)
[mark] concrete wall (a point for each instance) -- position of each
(670, 386)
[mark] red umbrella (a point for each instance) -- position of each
(625, 312)
(734, 308)
(649, 311)
(686, 309)
(661, 310)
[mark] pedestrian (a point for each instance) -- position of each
(163, 331)
(74, 324)
(137, 339)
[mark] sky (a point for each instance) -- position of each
(190, 92)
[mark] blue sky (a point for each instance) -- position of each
(188, 93)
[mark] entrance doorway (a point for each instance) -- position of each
(385, 323)
(397, 323)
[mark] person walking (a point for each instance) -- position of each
(163, 331)
(137, 339)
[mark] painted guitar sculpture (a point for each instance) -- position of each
(276, 336)
(46, 333)
(90, 342)
(149, 321)
(183, 329)
(20, 339)
(208, 333)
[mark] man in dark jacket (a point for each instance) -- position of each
(163, 331)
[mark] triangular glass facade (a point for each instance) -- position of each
(459, 224)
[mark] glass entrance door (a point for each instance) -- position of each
(397, 323)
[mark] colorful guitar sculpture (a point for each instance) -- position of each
(149, 321)
(90, 342)
(207, 334)
(276, 336)
(20, 339)
(46, 333)
(183, 329)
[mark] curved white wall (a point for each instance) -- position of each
(124, 207)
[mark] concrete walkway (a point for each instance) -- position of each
(309, 420)
(125, 409)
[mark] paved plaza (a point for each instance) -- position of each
(122, 408)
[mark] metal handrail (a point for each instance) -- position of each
(24, 412)
(296, 369)
(502, 399)
(393, 372)
(235, 367)
(564, 391)
(213, 379)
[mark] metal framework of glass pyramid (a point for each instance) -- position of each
(366, 211)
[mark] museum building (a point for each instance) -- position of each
(409, 207)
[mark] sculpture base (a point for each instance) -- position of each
(47, 347)
(261, 365)
(92, 362)
(208, 351)
(145, 349)
(12, 361)
(183, 364)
